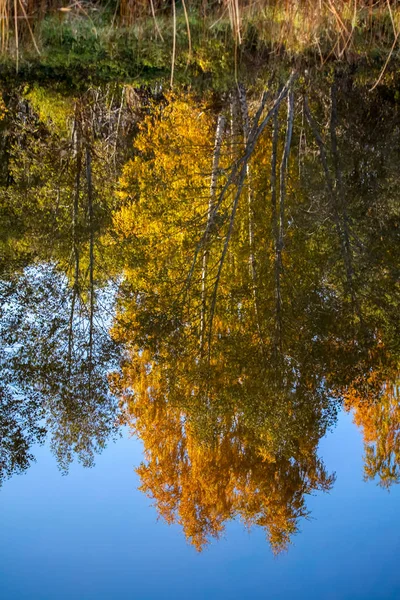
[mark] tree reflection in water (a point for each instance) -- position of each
(252, 243)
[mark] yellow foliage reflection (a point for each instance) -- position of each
(245, 310)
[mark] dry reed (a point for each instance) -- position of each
(329, 27)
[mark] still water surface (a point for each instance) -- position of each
(94, 532)
(200, 299)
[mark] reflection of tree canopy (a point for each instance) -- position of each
(258, 244)
(53, 372)
(260, 286)
(62, 155)
(378, 415)
(242, 447)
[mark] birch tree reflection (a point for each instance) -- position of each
(255, 297)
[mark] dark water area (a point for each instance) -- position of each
(199, 299)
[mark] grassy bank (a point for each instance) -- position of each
(191, 41)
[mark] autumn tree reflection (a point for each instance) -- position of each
(252, 298)
(225, 443)
(377, 413)
(250, 239)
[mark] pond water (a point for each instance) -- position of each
(199, 321)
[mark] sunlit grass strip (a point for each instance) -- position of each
(325, 29)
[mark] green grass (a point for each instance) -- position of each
(82, 48)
